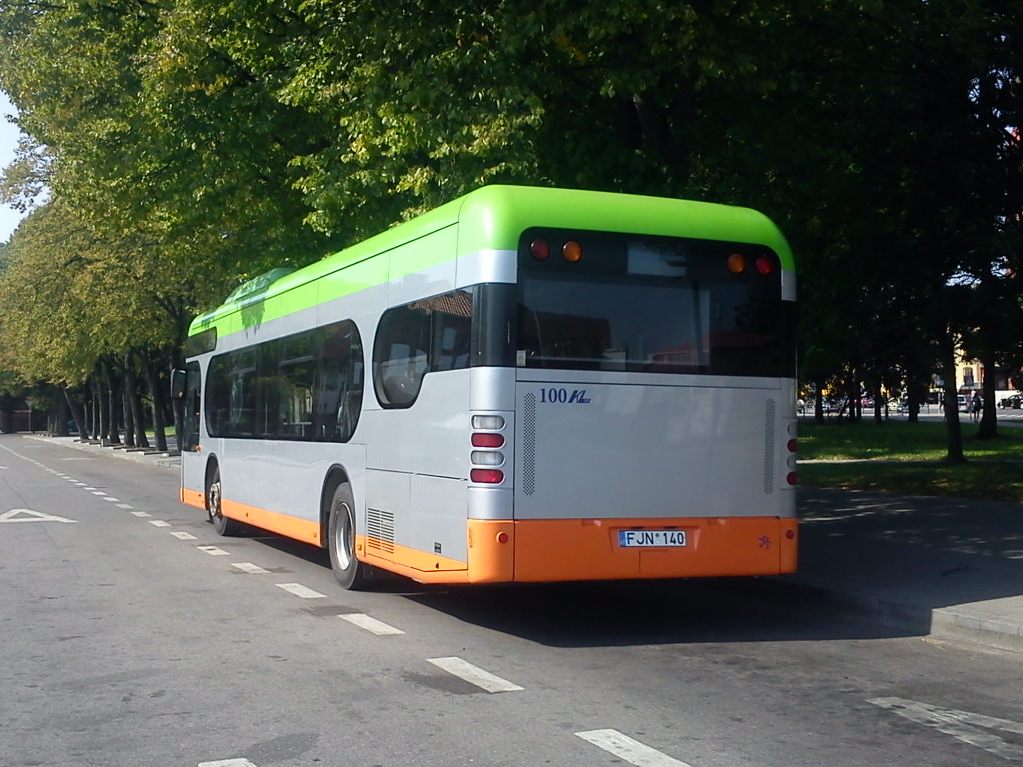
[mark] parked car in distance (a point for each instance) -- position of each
(962, 403)
(1014, 401)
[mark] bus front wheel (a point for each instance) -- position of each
(349, 571)
(214, 499)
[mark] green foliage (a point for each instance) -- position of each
(192, 144)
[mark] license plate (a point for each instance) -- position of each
(637, 539)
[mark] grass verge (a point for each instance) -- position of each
(907, 458)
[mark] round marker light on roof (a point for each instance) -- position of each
(572, 252)
(764, 265)
(540, 249)
(737, 263)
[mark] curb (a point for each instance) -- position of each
(164, 461)
(939, 622)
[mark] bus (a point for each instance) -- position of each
(522, 385)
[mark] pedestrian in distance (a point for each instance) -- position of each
(976, 406)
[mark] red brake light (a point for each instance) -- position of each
(487, 440)
(487, 476)
(540, 250)
(764, 265)
(793, 445)
(791, 478)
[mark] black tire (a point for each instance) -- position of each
(349, 571)
(214, 498)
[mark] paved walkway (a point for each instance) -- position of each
(939, 566)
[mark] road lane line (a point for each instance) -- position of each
(183, 536)
(227, 763)
(248, 567)
(111, 498)
(140, 514)
(629, 750)
(98, 492)
(159, 523)
(125, 506)
(474, 675)
(964, 726)
(213, 551)
(372, 625)
(301, 591)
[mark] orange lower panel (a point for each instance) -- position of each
(587, 549)
(299, 529)
(412, 563)
(503, 551)
(192, 498)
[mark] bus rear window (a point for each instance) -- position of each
(601, 301)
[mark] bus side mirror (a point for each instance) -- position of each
(178, 378)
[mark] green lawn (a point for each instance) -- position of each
(902, 457)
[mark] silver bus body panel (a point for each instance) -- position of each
(618, 445)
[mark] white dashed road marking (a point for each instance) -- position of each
(301, 591)
(97, 492)
(632, 751)
(213, 551)
(961, 725)
(248, 567)
(111, 498)
(228, 763)
(125, 506)
(159, 523)
(183, 536)
(140, 514)
(372, 625)
(474, 675)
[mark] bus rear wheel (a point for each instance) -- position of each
(349, 571)
(214, 500)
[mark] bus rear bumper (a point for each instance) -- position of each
(589, 549)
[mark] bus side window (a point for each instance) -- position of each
(400, 355)
(430, 335)
(339, 383)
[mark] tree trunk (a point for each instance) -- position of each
(112, 409)
(76, 413)
(131, 389)
(152, 381)
(99, 408)
(818, 405)
(988, 420)
(954, 435)
(59, 416)
(126, 413)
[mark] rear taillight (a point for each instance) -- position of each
(487, 441)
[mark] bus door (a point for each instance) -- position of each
(192, 458)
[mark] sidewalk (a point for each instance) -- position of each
(934, 566)
(170, 460)
(939, 566)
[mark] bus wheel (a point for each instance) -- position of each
(349, 571)
(214, 498)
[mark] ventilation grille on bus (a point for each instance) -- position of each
(380, 530)
(769, 448)
(529, 445)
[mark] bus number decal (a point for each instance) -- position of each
(561, 396)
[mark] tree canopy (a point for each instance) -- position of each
(190, 144)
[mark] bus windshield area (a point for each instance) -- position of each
(610, 302)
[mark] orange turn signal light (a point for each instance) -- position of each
(572, 252)
(737, 263)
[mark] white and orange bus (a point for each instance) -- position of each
(524, 384)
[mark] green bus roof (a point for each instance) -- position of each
(493, 218)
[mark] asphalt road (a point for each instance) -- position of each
(128, 641)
